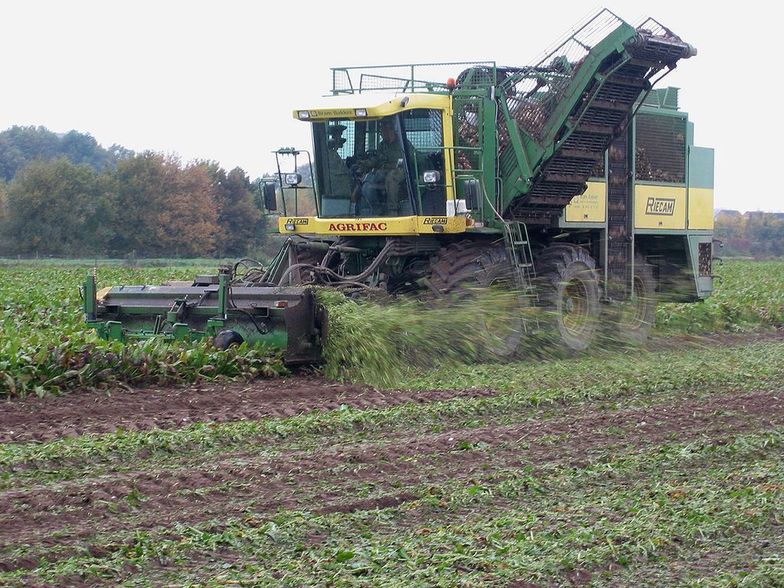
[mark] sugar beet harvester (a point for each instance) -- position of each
(571, 180)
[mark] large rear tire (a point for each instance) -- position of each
(463, 268)
(568, 288)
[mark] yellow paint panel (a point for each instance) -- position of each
(701, 208)
(589, 207)
(659, 207)
(448, 141)
(437, 101)
(406, 225)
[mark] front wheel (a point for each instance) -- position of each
(462, 271)
(568, 287)
(226, 339)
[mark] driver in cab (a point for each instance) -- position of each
(383, 188)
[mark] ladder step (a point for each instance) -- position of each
(564, 178)
(609, 105)
(581, 154)
(622, 80)
(596, 130)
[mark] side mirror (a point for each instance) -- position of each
(471, 193)
(270, 192)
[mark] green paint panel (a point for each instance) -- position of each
(285, 318)
(700, 167)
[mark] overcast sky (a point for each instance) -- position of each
(219, 80)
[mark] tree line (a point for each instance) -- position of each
(64, 195)
(753, 234)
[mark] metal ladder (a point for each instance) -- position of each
(518, 248)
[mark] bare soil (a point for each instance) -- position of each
(71, 516)
(83, 412)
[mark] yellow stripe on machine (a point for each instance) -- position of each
(405, 225)
(374, 111)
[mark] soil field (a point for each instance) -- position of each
(658, 467)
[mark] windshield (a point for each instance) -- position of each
(364, 169)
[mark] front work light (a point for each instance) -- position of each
(303, 115)
(431, 176)
(360, 112)
(293, 179)
(289, 226)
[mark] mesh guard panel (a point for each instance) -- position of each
(660, 151)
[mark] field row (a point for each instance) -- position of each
(45, 347)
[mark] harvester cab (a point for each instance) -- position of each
(572, 180)
(388, 165)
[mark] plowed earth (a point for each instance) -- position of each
(124, 514)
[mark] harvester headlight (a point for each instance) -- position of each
(293, 179)
(360, 112)
(303, 115)
(289, 226)
(431, 176)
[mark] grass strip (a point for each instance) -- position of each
(635, 371)
(749, 558)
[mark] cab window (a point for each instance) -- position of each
(364, 169)
(425, 137)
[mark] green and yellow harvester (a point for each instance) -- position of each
(572, 180)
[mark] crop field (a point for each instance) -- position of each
(182, 466)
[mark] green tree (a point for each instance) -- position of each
(20, 146)
(57, 208)
(3, 218)
(83, 149)
(238, 216)
(119, 152)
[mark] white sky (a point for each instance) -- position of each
(219, 80)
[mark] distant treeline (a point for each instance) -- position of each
(65, 195)
(753, 234)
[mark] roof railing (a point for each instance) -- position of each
(411, 77)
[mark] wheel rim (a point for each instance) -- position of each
(575, 310)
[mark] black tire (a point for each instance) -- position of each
(568, 289)
(635, 318)
(465, 265)
(226, 339)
